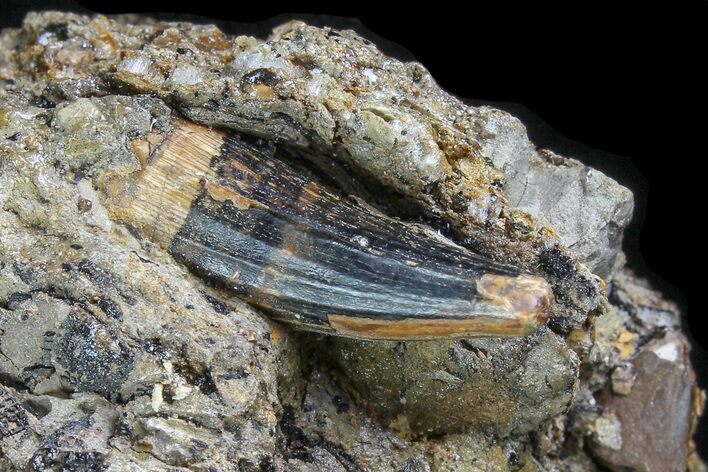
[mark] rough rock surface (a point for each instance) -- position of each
(661, 383)
(114, 357)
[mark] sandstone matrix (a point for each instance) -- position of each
(114, 357)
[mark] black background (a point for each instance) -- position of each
(628, 82)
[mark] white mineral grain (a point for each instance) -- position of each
(138, 65)
(187, 75)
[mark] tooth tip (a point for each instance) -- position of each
(528, 298)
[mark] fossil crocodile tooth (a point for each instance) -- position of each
(240, 218)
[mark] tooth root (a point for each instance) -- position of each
(158, 199)
(242, 219)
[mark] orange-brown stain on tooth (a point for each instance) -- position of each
(311, 192)
(411, 329)
(221, 194)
